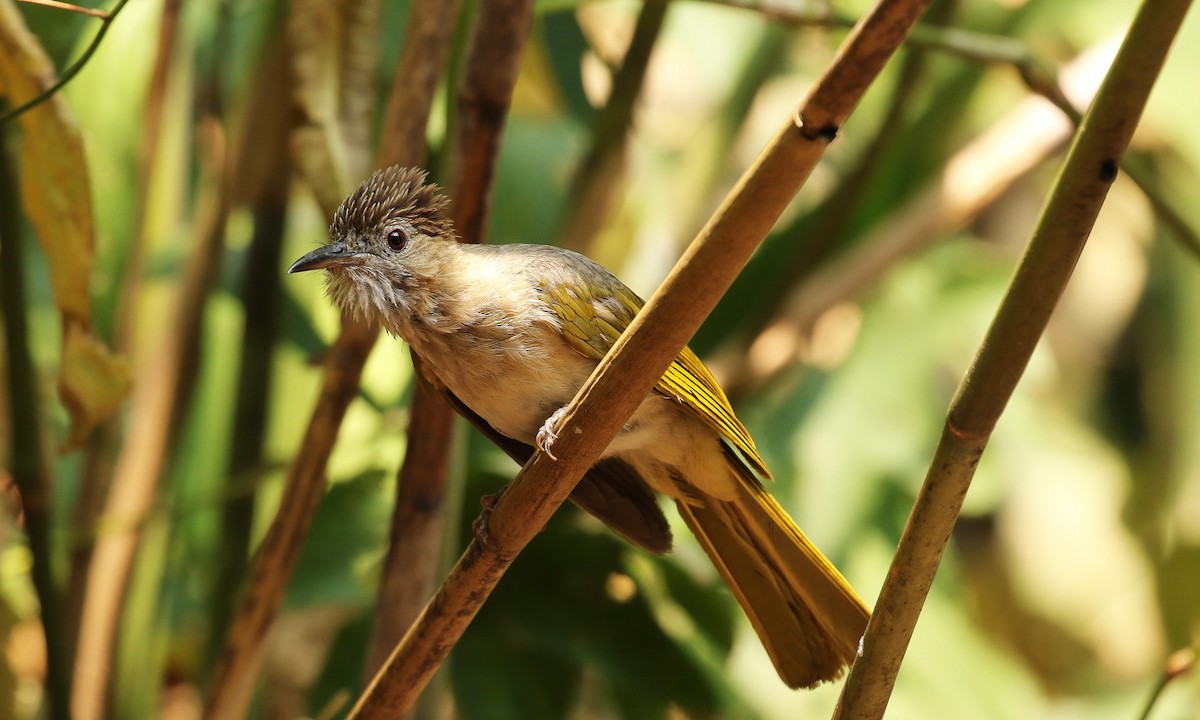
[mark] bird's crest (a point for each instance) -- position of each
(392, 194)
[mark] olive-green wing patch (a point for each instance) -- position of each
(593, 319)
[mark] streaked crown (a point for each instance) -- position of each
(392, 194)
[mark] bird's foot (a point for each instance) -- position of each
(480, 526)
(547, 434)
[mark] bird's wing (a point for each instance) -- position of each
(611, 490)
(593, 319)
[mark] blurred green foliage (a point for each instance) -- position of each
(1071, 578)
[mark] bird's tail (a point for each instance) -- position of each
(806, 614)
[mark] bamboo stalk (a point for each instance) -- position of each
(28, 464)
(1061, 232)
(99, 464)
(410, 569)
(158, 406)
(426, 47)
(263, 168)
(640, 356)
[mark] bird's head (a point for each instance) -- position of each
(387, 245)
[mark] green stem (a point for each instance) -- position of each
(1138, 169)
(28, 467)
(1179, 663)
(261, 297)
(70, 72)
(1061, 232)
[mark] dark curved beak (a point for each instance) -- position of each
(323, 257)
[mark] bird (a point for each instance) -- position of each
(509, 333)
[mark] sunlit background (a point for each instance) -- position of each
(1074, 572)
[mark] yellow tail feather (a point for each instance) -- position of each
(808, 617)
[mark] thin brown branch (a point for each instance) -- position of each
(426, 49)
(428, 38)
(275, 559)
(94, 12)
(502, 30)
(411, 567)
(1062, 230)
(640, 356)
(414, 548)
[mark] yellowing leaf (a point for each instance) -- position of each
(92, 382)
(54, 182)
(57, 198)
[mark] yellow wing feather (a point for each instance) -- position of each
(807, 615)
(592, 323)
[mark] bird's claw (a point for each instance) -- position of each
(480, 526)
(547, 434)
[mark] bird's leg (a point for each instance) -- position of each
(480, 526)
(548, 433)
(544, 440)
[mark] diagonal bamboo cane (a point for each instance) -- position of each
(641, 355)
(1063, 228)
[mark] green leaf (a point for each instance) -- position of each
(348, 536)
(567, 602)
(530, 190)
(565, 46)
(498, 674)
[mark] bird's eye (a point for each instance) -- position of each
(396, 240)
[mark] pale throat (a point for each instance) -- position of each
(488, 339)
